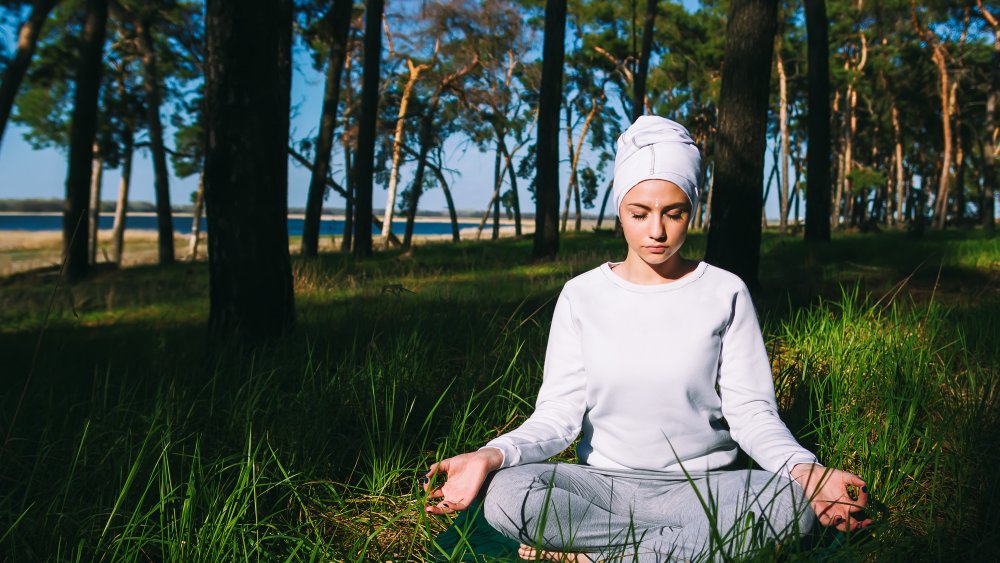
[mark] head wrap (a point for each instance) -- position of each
(656, 148)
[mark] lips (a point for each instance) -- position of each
(656, 249)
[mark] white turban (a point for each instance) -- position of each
(656, 148)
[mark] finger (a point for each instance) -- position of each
(436, 492)
(446, 507)
(443, 507)
(426, 481)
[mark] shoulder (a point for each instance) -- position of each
(590, 280)
(723, 281)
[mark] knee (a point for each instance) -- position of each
(787, 506)
(504, 498)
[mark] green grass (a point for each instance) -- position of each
(136, 441)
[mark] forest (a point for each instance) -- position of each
(235, 391)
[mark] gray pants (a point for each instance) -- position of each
(569, 508)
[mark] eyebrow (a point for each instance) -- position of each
(679, 205)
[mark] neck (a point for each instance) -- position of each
(636, 270)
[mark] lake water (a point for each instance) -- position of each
(182, 224)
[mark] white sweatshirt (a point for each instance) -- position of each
(653, 375)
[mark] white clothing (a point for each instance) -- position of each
(652, 375)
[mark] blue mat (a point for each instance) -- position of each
(471, 538)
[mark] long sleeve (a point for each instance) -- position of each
(561, 402)
(747, 392)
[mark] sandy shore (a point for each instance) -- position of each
(28, 250)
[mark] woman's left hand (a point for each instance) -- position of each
(829, 495)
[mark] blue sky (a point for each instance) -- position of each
(28, 173)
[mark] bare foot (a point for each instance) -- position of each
(531, 554)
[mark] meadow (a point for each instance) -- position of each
(128, 435)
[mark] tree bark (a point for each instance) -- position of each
(898, 159)
(498, 184)
(513, 186)
(397, 147)
(199, 209)
(81, 139)
(364, 159)
(247, 91)
(426, 137)
(818, 156)
(988, 212)
(416, 189)
(940, 57)
(161, 183)
(27, 41)
(734, 233)
(783, 130)
(337, 24)
(546, 239)
(572, 174)
(639, 84)
(604, 203)
(96, 178)
(121, 206)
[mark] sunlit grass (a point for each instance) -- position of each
(136, 441)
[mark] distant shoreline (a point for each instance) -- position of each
(334, 217)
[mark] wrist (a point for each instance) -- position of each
(806, 472)
(492, 456)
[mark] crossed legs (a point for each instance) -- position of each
(569, 509)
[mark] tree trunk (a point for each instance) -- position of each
(397, 148)
(96, 178)
(338, 24)
(81, 139)
(604, 203)
(818, 156)
(199, 209)
(121, 206)
(246, 168)
(898, 158)
(416, 189)
(497, 186)
(455, 236)
(27, 40)
(734, 233)
(639, 84)
(783, 129)
(513, 187)
(988, 211)
(364, 160)
(959, 165)
(767, 186)
(572, 175)
(161, 183)
(941, 201)
(546, 239)
(498, 183)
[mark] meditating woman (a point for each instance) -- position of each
(660, 362)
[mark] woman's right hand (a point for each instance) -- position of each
(466, 474)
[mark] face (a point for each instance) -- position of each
(654, 217)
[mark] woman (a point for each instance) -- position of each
(660, 362)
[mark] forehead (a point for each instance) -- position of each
(651, 190)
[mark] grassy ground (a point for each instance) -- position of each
(126, 437)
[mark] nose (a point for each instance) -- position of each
(657, 231)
